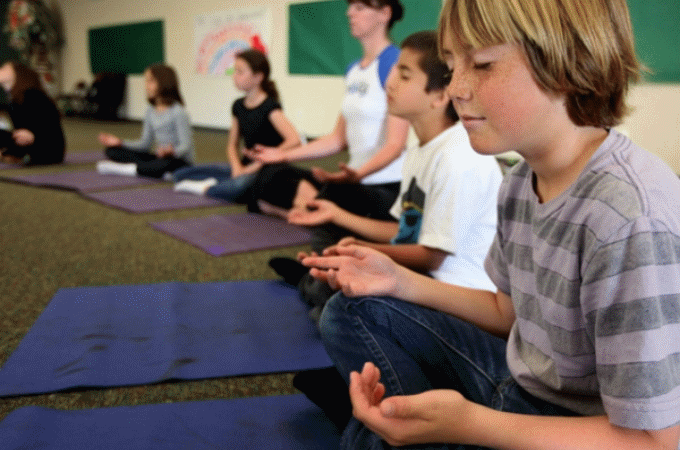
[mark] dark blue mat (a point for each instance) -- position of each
(285, 422)
(129, 335)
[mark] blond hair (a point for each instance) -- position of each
(583, 49)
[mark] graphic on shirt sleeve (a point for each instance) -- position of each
(412, 204)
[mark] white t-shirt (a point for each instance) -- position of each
(364, 108)
(448, 201)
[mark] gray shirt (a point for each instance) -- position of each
(171, 126)
(594, 277)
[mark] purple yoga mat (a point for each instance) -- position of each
(81, 181)
(219, 235)
(70, 158)
(150, 200)
(84, 157)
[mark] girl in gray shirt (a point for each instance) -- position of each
(166, 143)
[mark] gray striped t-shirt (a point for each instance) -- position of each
(594, 276)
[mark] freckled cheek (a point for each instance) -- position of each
(518, 117)
(508, 110)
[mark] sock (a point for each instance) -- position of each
(291, 270)
(117, 168)
(196, 187)
(327, 389)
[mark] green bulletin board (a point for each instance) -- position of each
(656, 24)
(126, 49)
(319, 42)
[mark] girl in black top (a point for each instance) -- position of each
(37, 137)
(258, 119)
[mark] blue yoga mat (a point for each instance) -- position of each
(130, 335)
(272, 423)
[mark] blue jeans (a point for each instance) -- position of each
(419, 349)
(227, 188)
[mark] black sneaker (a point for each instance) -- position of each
(291, 270)
(327, 389)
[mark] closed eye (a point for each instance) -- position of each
(447, 76)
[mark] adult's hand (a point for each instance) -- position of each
(344, 175)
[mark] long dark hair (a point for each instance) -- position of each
(168, 85)
(258, 63)
(26, 78)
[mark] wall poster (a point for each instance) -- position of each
(220, 35)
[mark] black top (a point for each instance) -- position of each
(38, 114)
(254, 124)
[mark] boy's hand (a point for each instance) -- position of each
(433, 416)
(303, 255)
(351, 240)
(109, 140)
(344, 242)
(317, 212)
(344, 175)
(23, 137)
(358, 271)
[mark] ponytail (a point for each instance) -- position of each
(269, 87)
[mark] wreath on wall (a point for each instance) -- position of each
(30, 24)
(34, 32)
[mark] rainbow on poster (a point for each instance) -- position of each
(219, 36)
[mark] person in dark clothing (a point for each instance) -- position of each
(37, 136)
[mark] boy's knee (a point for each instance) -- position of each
(334, 315)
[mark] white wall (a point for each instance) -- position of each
(311, 102)
(654, 122)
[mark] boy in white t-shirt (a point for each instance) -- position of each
(447, 201)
